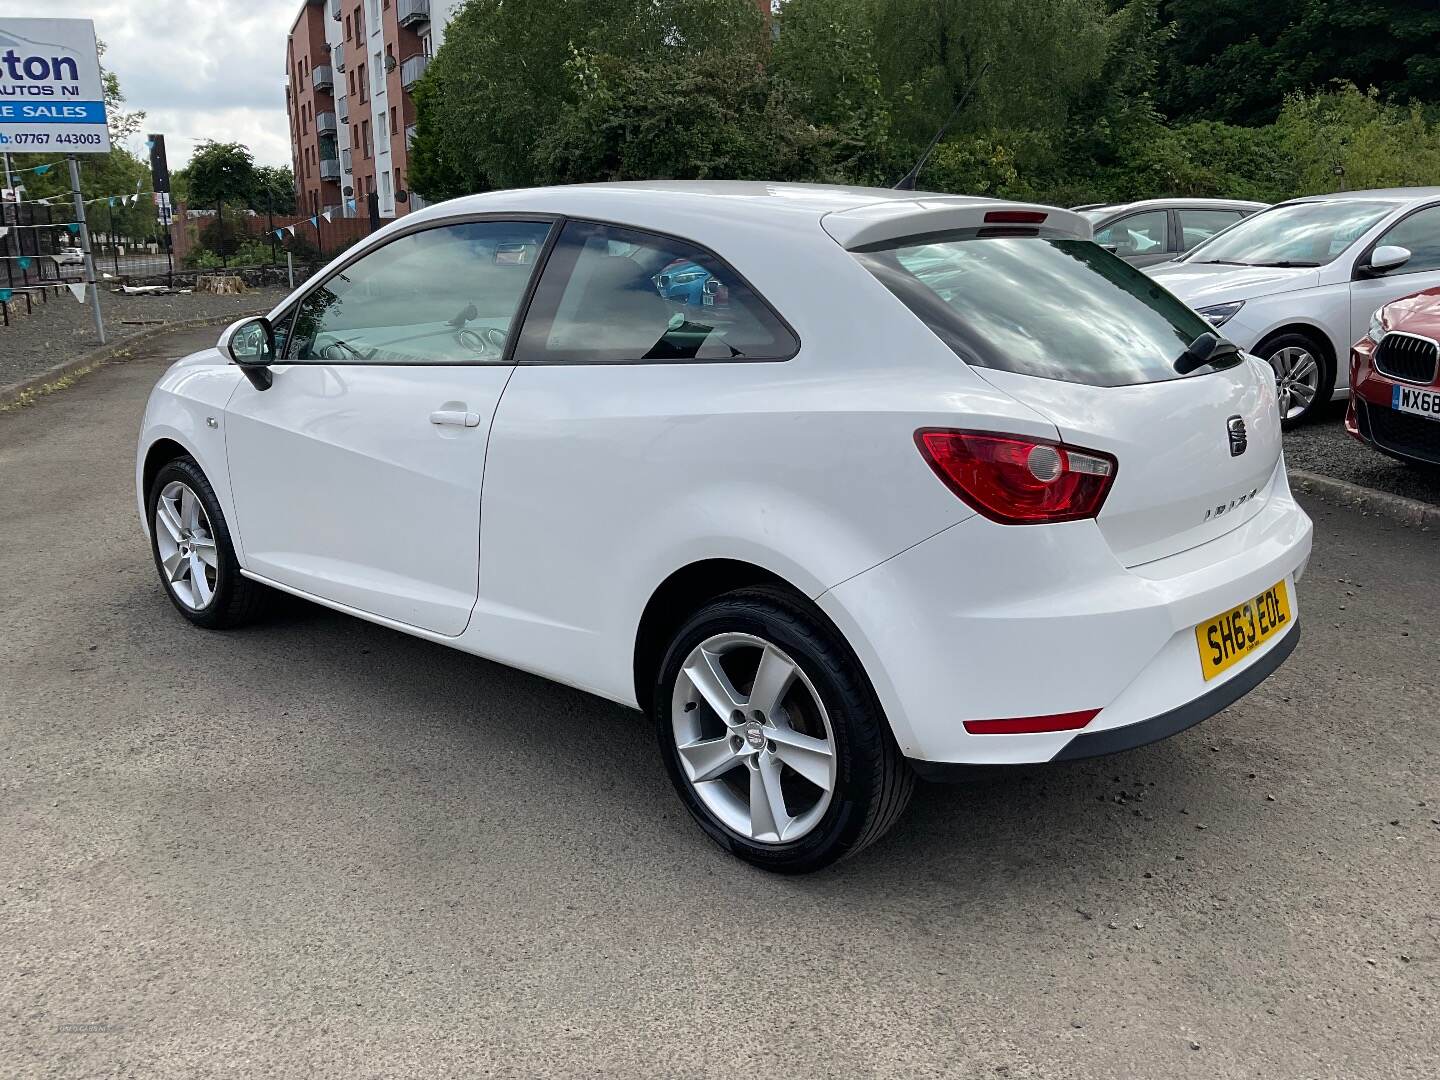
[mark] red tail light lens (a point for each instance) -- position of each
(1016, 217)
(1019, 481)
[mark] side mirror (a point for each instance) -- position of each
(1385, 258)
(250, 343)
(1112, 248)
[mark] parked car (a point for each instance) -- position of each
(683, 282)
(904, 504)
(1395, 380)
(1297, 283)
(69, 256)
(1157, 230)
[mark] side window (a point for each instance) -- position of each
(441, 296)
(1197, 225)
(611, 295)
(1420, 234)
(1138, 234)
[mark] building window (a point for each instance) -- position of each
(385, 188)
(393, 129)
(379, 74)
(359, 24)
(364, 86)
(347, 27)
(351, 77)
(375, 12)
(304, 125)
(299, 75)
(365, 137)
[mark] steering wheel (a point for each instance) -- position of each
(486, 343)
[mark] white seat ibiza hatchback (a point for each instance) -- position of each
(841, 486)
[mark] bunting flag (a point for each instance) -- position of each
(292, 229)
(41, 170)
(280, 232)
(4, 229)
(23, 262)
(328, 215)
(77, 290)
(111, 201)
(74, 227)
(350, 204)
(315, 221)
(43, 202)
(5, 295)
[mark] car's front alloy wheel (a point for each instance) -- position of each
(193, 553)
(1302, 377)
(773, 736)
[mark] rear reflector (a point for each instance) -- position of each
(1015, 217)
(1030, 725)
(1018, 481)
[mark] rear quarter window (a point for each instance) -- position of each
(1049, 306)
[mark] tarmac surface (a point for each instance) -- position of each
(317, 847)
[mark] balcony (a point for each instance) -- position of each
(412, 12)
(345, 159)
(342, 109)
(322, 77)
(335, 10)
(329, 168)
(412, 68)
(337, 56)
(325, 123)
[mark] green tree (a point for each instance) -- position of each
(507, 75)
(274, 190)
(221, 172)
(1237, 60)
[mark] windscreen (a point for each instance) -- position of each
(1297, 234)
(1054, 307)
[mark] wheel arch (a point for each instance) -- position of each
(1315, 332)
(160, 453)
(682, 593)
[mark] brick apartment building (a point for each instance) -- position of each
(350, 65)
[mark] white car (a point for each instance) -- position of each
(69, 256)
(1299, 283)
(922, 483)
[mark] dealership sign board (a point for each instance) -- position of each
(51, 97)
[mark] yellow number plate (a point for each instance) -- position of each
(1227, 639)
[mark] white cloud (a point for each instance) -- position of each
(201, 69)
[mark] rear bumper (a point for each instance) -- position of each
(987, 621)
(1144, 732)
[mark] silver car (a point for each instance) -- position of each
(1158, 230)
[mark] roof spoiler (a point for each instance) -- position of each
(895, 219)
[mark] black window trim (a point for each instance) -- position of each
(1362, 260)
(549, 316)
(556, 223)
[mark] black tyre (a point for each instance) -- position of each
(193, 553)
(773, 736)
(1303, 372)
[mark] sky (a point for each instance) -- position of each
(201, 69)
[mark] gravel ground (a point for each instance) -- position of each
(317, 847)
(1323, 447)
(61, 328)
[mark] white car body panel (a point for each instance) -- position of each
(1330, 300)
(601, 481)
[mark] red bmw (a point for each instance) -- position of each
(1395, 380)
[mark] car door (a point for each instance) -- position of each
(1140, 239)
(1419, 233)
(357, 473)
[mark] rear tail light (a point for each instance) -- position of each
(1019, 481)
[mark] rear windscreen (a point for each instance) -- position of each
(1054, 307)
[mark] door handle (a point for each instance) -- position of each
(455, 418)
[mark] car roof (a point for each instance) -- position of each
(1172, 204)
(1399, 194)
(852, 215)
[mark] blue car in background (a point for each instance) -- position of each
(688, 283)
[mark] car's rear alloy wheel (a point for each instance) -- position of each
(193, 552)
(773, 736)
(754, 738)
